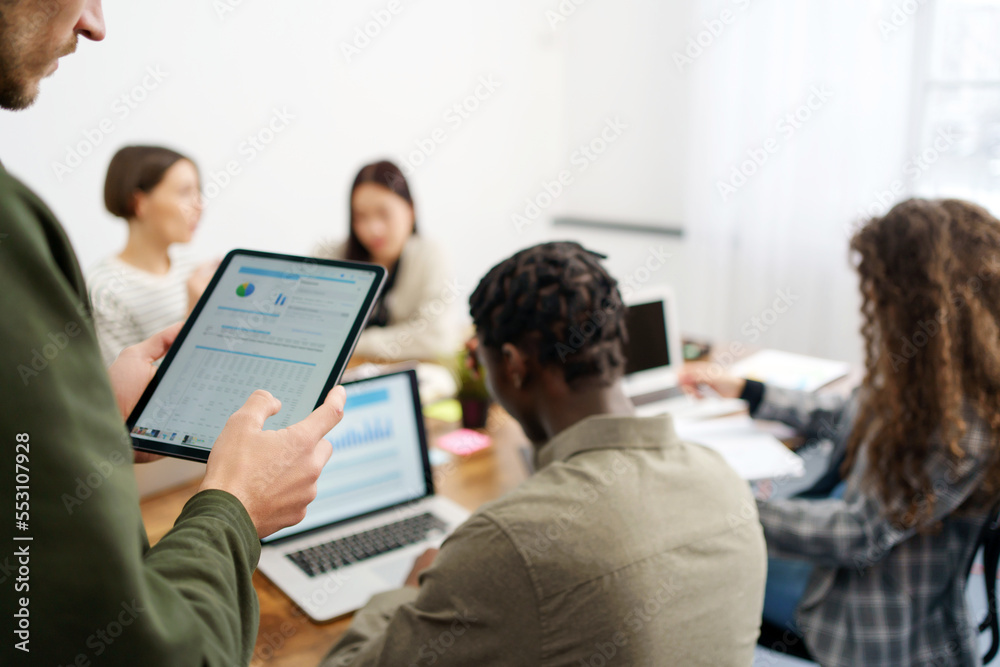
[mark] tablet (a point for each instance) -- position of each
(277, 322)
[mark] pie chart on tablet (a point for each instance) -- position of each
(246, 289)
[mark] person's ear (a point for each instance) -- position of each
(515, 365)
(413, 219)
(140, 203)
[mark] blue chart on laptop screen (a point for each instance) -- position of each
(377, 460)
(271, 324)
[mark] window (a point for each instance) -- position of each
(958, 138)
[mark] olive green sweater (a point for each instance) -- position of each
(93, 590)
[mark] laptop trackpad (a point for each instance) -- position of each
(394, 570)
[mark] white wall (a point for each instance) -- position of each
(560, 81)
(226, 74)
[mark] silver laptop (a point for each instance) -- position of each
(375, 510)
(654, 359)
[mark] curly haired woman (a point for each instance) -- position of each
(870, 565)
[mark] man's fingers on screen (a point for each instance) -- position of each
(322, 454)
(324, 418)
(258, 408)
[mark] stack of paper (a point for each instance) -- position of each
(790, 371)
(753, 453)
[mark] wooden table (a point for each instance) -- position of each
(287, 637)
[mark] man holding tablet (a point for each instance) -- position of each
(81, 585)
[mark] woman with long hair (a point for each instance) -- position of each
(870, 565)
(413, 319)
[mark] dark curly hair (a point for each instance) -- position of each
(556, 300)
(930, 284)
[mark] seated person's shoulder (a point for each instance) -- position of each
(479, 544)
(422, 251)
(607, 484)
(706, 478)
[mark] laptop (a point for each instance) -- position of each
(654, 359)
(375, 510)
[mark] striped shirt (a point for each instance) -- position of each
(130, 304)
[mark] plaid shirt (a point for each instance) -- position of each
(881, 593)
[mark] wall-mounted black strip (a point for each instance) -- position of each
(666, 229)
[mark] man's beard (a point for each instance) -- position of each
(22, 62)
(15, 92)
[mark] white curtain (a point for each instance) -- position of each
(772, 256)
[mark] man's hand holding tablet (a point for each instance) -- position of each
(281, 323)
(276, 328)
(273, 473)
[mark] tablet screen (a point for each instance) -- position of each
(271, 323)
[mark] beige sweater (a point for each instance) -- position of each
(421, 305)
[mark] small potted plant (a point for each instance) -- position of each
(472, 392)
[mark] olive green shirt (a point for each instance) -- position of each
(627, 547)
(92, 590)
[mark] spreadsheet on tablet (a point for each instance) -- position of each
(272, 324)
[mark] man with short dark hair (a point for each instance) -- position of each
(81, 584)
(626, 547)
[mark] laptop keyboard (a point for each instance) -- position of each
(360, 546)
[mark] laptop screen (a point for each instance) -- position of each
(648, 345)
(377, 460)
